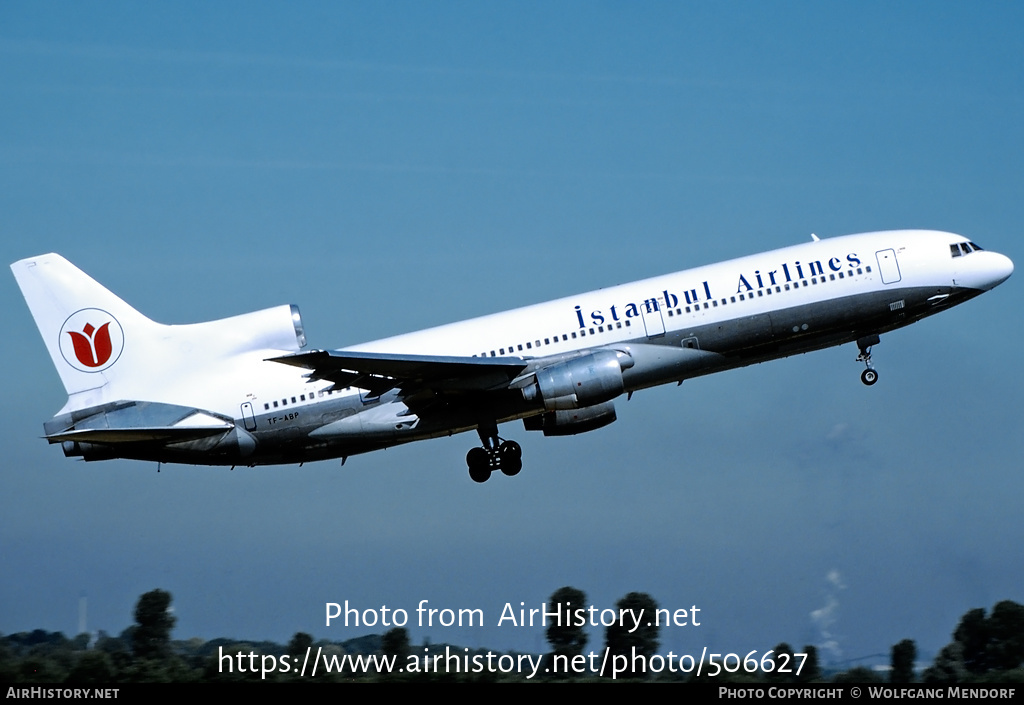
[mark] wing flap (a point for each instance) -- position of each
(379, 372)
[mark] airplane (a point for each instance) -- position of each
(241, 390)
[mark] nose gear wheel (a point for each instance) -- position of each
(870, 375)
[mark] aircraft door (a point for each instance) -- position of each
(888, 267)
(653, 321)
(247, 416)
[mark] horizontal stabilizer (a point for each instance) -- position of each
(154, 434)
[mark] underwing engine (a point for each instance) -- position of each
(585, 381)
(569, 422)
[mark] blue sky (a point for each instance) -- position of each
(390, 167)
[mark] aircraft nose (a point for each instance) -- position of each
(983, 270)
(999, 268)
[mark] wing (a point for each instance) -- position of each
(413, 374)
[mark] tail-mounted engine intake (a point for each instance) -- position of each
(584, 381)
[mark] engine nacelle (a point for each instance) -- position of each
(571, 422)
(584, 381)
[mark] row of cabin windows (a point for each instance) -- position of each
(302, 397)
(693, 308)
(582, 333)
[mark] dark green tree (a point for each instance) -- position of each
(902, 662)
(298, 645)
(1006, 636)
(151, 635)
(782, 654)
(972, 633)
(395, 642)
(566, 638)
(982, 645)
(948, 666)
(93, 667)
(639, 644)
(811, 668)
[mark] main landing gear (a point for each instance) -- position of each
(868, 376)
(496, 454)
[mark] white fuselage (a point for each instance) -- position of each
(669, 328)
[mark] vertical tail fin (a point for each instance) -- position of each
(83, 324)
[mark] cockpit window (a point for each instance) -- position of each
(959, 249)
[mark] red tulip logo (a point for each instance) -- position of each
(92, 345)
(91, 340)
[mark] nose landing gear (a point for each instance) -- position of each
(495, 454)
(868, 376)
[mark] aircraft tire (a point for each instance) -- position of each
(509, 450)
(511, 467)
(479, 462)
(869, 377)
(510, 458)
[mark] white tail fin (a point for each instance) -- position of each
(106, 351)
(85, 326)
